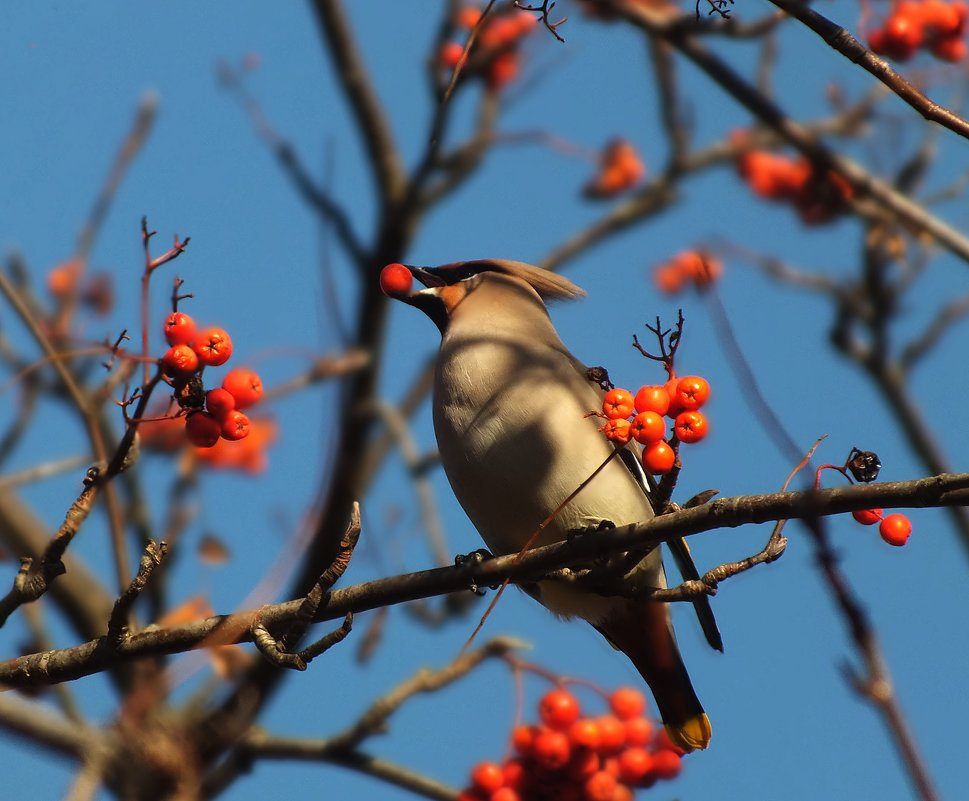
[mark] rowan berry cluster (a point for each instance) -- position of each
(895, 529)
(570, 757)
(495, 54)
(680, 399)
(620, 169)
(691, 267)
(818, 197)
(933, 25)
(217, 413)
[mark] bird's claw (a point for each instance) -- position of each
(602, 525)
(472, 560)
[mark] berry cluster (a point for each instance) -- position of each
(691, 267)
(216, 414)
(495, 53)
(895, 529)
(679, 399)
(817, 197)
(620, 169)
(569, 756)
(936, 26)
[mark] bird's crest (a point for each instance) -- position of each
(549, 285)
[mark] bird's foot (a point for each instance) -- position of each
(602, 525)
(473, 559)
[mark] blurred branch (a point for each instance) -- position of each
(862, 182)
(352, 75)
(875, 684)
(92, 657)
(841, 40)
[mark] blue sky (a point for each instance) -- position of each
(785, 723)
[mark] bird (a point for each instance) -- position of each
(511, 417)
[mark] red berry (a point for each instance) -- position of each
(648, 427)
(617, 403)
(867, 517)
(179, 329)
(213, 346)
(658, 457)
(666, 763)
(219, 402)
(652, 398)
(449, 55)
(634, 765)
(664, 742)
(514, 773)
(202, 429)
(396, 279)
(180, 361)
(691, 392)
(584, 733)
(558, 709)
(617, 430)
(674, 407)
(895, 529)
(690, 427)
(244, 385)
(582, 765)
(487, 777)
(627, 703)
(612, 734)
(600, 786)
(505, 794)
(551, 749)
(950, 48)
(235, 425)
(523, 739)
(639, 732)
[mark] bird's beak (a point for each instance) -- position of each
(426, 276)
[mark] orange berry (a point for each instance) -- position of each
(950, 49)
(551, 749)
(652, 398)
(513, 772)
(180, 361)
(647, 427)
(526, 22)
(664, 742)
(627, 703)
(666, 763)
(219, 402)
(669, 278)
(448, 56)
(523, 739)
(617, 403)
(600, 786)
(639, 732)
(691, 392)
(202, 429)
(634, 765)
(487, 777)
(617, 430)
(396, 279)
(895, 529)
(468, 17)
(558, 709)
(674, 407)
(658, 457)
(612, 734)
(505, 794)
(235, 425)
(213, 346)
(867, 517)
(179, 329)
(690, 427)
(584, 733)
(503, 70)
(244, 385)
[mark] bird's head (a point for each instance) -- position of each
(447, 286)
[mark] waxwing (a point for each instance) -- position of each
(511, 418)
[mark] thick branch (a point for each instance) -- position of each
(92, 657)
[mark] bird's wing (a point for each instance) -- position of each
(681, 555)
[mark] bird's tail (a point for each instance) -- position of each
(642, 631)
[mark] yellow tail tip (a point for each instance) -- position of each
(692, 734)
